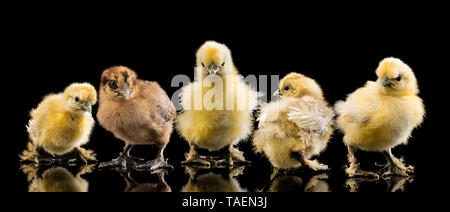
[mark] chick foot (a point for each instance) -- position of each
(158, 163)
(395, 167)
(154, 165)
(237, 157)
(315, 165)
(193, 158)
(354, 171)
(124, 160)
(311, 164)
(196, 161)
(83, 156)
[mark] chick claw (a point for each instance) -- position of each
(122, 161)
(394, 170)
(315, 165)
(395, 167)
(196, 160)
(354, 171)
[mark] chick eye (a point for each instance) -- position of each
(399, 77)
(223, 64)
(203, 65)
(77, 99)
(113, 84)
(286, 88)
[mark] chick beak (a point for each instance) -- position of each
(385, 81)
(213, 69)
(125, 91)
(277, 93)
(87, 107)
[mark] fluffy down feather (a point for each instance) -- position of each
(300, 122)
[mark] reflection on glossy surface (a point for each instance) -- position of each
(56, 179)
(72, 178)
(213, 180)
(393, 183)
(159, 186)
(288, 183)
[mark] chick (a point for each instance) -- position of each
(217, 106)
(381, 115)
(137, 112)
(296, 127)
(62, 122)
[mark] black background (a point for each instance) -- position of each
(48, 51)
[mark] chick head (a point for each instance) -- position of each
(80, 97)
(119, 83)
(298, 85)
(396, 78)
(214, 59)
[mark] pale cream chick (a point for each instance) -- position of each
(381, 116)
(63, 122)
(217, 107)
(297, 127)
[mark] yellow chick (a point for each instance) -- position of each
(381, 115)
(63, 122)
(297, 127)
(217, 106)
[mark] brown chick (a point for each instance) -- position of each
(137, 112)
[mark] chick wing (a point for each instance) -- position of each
(159, 101)
(311, 115)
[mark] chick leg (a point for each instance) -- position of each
(353, 170)
(43, 157)
(124, 160)
(312, 164)
(230, 156)
(194, 158)
(80, 155)
(395, 166)
(158, 163)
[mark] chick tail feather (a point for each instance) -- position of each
(30, 153)
(31, 128)
(87, 154)
(339, 107)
